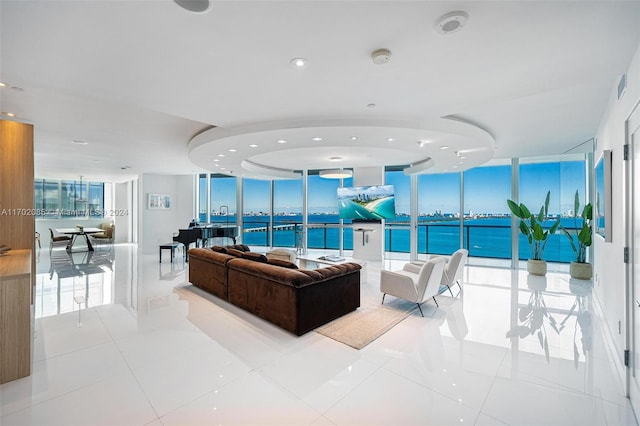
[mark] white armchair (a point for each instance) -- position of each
(414, 284)
(454, 268)
(283, 254)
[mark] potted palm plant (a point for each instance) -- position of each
(532, 226)
(580, 238)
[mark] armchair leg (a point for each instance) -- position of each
(434, 299)
(383, 296)
(419, 308)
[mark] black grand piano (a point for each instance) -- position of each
(201, 234)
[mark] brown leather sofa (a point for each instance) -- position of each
(295, 299)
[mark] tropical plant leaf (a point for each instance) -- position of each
(515, 209)
(546, 204)
(546, 350)
(518, 330)
(555, 226)
(541, 214)
(525, 211)
(538, 232)
(524, 313)
(524, 228)
(587, 212)
(576, 204)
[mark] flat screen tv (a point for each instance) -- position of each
(367, 203)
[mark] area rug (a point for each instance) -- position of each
(363, 326)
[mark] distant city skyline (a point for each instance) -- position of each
(486, 191)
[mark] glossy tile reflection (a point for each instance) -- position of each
(145, 347)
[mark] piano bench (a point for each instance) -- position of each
(172, 246)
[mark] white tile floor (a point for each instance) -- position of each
(151, 349)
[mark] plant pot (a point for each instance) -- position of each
(581, 271)
(537, 267)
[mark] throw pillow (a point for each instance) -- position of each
(219, 249)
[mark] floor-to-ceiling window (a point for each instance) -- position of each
(322, 208)
(562, 176)
(287, 213)
(439, 213)
(487, 224)
(397, 230)
(256, 222)
(222, 193)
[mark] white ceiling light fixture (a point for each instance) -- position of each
(336, 174)
(316, 139)
(451, 22)
(298, 63)
(232, 150)
(354, 138)
(422, 142)
(253, 145)
(336, 158)
(381, 56)
(281, 141)
(80, 142)
(194, 6)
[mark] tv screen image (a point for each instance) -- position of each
(367, 202)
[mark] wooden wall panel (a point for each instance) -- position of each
(17, 222)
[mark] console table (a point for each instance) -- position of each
(15, 321)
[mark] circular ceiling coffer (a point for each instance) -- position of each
(451, 22)
(381, 56)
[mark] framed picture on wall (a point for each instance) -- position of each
(602, 211)
(159, 201)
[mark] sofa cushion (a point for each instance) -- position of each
(284, 276)
(219, 249)
(240, 247)
(255, 256)
(234, 252)
(283, 263)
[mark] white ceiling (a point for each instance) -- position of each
(138, 80)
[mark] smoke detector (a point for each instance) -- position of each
(451, 22)
(381, 56)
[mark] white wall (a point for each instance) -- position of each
(609, 268)
(156, 226)
(372, 248)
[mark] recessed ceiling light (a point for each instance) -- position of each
(455, 167)
(8, 114)
(232, 150)
(2, 84)
(316, 139)
(215, 160)
(299, 62)
(451, 22)
(422, 142)
(281, 141)
(460, 162)
(354, 138)
(223, 168)
(371, 105)
(220, 155)
(390, 140)
(335, 158)
(444, 147)
(80, 142)
(253, 145)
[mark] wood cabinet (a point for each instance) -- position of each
(15, 315)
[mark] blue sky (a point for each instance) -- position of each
(486, 190)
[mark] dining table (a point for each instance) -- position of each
(77, 232)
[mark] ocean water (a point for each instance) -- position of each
(483, 237)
